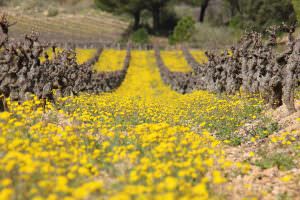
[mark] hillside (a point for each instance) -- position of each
(79, 25)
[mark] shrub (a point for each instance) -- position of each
(183, 31)
(141, 36)
(52, 12)
(296, 5)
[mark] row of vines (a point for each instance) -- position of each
(252, 66)
(22, 74)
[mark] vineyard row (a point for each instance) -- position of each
(253, 66)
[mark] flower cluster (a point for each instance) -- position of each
(83, 55)
(110, 60)
(175, 61)
(286, 137)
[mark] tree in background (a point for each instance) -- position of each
(244, 14)
(234, 6)
(183, 31)
(254, 14)
(132, 7)
(140, 36)
(296, 4)
(156, 7)
(260, 14)
(203, 4)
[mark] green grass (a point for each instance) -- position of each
(283, 196)
(296, 4)
(265, 128)
(280, 160)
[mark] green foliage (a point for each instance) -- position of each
(260, 14)
(135, 8)
(283, 196)
(140, 36)
(52, 12)
(280, 160)
(106, 5)
(183, 31)
(131, 7)
(168, 21)
(296, 4)
(192, 2)
(127, 6)
(265, 128)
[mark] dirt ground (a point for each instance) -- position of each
(274, 161)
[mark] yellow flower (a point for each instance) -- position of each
(4, 115)
(2, 140)
(86, 189)
(286, 178)
(6, 182)
(52, 197)
(6, 194)
(18, 124)
(121, 196)
(171, 183)
(218, 178)
(167, 196)
(202, 124)
(133, 176)
(273, 139)
(38, 198)
(62, 184)
(251, 154)
(200, 191)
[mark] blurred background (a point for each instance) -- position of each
(200, 23)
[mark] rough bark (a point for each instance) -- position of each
(203, 9)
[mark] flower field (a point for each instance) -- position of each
(110, 60)
(82, 55)
(175, 61)
(199, 56)
(142, 141)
